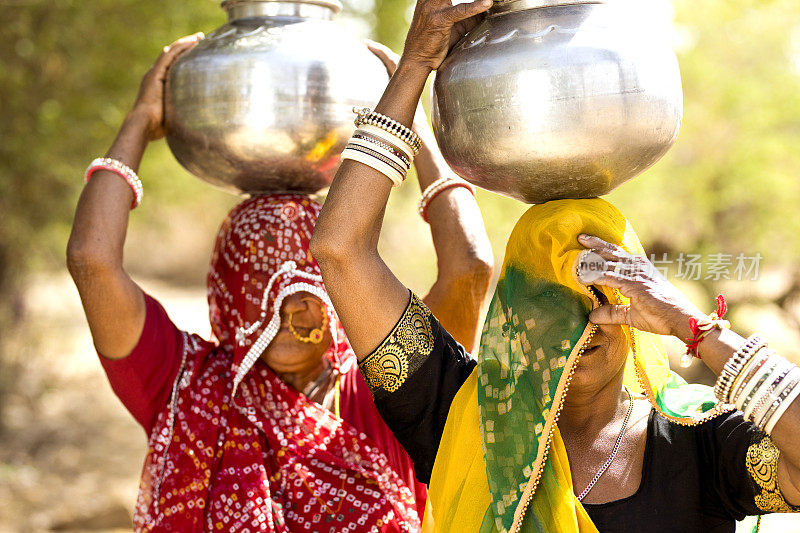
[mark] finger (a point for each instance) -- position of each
(464, 11)
(171, 54)
(614, 280)
(189, 38)
(606, 250)
(611, 314)
(627, 269)
(172, 51)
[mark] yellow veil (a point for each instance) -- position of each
(502, 464)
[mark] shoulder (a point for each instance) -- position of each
(403, 351)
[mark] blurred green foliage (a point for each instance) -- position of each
(69, 71)
(732, 181)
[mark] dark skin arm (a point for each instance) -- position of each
(368, 298)
(463, 252)
(659, 307)
(113, 303)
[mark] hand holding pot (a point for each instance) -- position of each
(150, 102)
(436, 26)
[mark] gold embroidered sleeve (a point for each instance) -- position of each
(402, 352)
(762, 465)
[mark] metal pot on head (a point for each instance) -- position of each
(264, 103)
(550, 99)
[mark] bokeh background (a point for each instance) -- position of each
(70, 455)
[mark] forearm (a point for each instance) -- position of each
(464, 254)
(715, 351)
(101, 218)
(368, 298)
(112, 302)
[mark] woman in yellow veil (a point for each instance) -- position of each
(567, 424)
(544, 370)
(570, 419)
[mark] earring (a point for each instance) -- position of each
(317, 334)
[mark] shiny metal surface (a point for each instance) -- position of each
(264, 103)
(565, 101)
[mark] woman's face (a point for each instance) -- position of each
(603, 359)
(286, 354)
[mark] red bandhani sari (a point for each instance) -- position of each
(237, 448)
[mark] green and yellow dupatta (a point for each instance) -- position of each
(502, 465)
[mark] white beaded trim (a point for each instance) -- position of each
(289, 268)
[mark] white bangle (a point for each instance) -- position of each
(782, 382)
(761, 413)
(367, 116)
(733, 366)
(380, 157)
(747, 372)
(391, 147)
(122, 170)
(437, 187)
(750, 388)
(388, 137)
(762, 382)
(783, 405)
(374, 163)
(385, 154)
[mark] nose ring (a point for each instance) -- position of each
(317, 334)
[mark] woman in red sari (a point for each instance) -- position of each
(269, 426)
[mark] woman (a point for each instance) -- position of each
(269, 426)
(570, 420)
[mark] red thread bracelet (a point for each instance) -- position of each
(701, 328)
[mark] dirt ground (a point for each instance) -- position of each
(70, 455)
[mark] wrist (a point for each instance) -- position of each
(680, 324)
(139, 120)
(132, 139)
(409, 67)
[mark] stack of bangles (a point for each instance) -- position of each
(438, 186)
(759, 382)
(382, 144)
(123, 171)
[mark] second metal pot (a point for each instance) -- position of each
(544, 101)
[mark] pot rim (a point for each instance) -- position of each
(333, 5)
(505, 6)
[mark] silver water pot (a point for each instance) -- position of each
(264, 103)
(550, 99)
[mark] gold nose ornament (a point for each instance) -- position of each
(317, 334)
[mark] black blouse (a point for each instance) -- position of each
(694, 478)
(698, 478)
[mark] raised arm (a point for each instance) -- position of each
(463, 252)
(368, 297)
(657, 306)
(113, 303)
